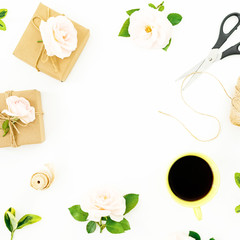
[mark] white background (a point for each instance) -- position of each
(103, 128)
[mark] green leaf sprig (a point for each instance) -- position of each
(6, 127)
(174, 19)
(3, 13)
(106, 222)
(196, 236)
(12, 224)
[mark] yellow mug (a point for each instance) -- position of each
(189, 176)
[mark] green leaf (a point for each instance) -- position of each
(211, 239)
(237, 209)
(3, 13)
(114, 227)
(130, 12)
(27, 220)
(7, 218)
(125, 224)
(5, 124)
(152, 5)
(12, 222)
(174, 18)
(166, 48)
(194, 235)
(131, 202)
(91, 227)
(2, 26)
(78, 214)
(124, 30)
(161, 8)
(12, 211)
(6, 131)
(237, 179)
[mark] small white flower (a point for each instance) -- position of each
(103, 203)
(150, 28)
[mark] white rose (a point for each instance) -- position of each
(59, 36)
(150, 28)
(103, 203)
(180, 236)
(20, 107)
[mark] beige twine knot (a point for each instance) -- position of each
(11, 122)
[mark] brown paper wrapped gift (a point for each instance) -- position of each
(32, 52)
(30, 133)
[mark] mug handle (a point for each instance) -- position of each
(198, 213)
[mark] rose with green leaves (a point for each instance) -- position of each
(19, 108)
(150, 27)
(3, 13)
(12, 224)
(105, 208)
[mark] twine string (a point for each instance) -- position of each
(200, 113)
(11, 123)
(43, 53)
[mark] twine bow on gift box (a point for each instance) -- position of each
(42, 53)
(11, 121)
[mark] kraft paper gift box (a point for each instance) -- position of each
(31, 133)
(31, 51)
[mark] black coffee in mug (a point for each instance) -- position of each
(190, 178)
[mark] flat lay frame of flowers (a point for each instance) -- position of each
(150, 27)
(105, 208)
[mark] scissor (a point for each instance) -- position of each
(215, 54)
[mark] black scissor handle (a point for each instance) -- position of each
(231, 51)
(222, 38)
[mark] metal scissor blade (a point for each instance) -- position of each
(192, 70)
(213, 56)
(203, 67)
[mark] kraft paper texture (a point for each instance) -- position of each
(34, 131)
(28, 49)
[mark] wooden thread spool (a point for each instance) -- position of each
(43, 179)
